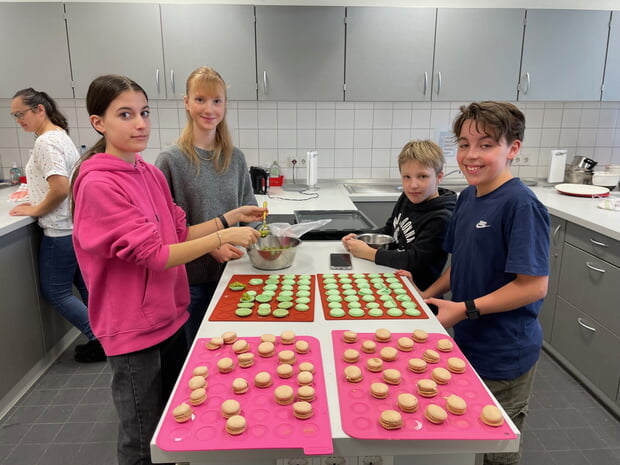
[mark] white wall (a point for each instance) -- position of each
(354, 140)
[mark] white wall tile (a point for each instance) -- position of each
(287, 118)
(267, 118)
(420, 118)
(287, 138)
(587, 137)
(306, 139)
(362, 172)
(327, 158)
(9, 138)
(380, 173)
(363, 118)
(362, 139)
(552, 118)
(382, 118)
(343, 173)
(325, 138)
(326, 173)
(440, 118)
(362, 158)
(571, 117)
(168, 137)
(248, 138)
(401, 118)
(267, 139)
(306, 119)
(343, 139)
(589, 118)
(381, 138)
(568, 137)
(343, 158)
(325, 118)
(607, 118)
(344, 119)
(400, 137)
(605, 137)
(248, 118)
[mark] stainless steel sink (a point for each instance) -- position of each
(354, 188)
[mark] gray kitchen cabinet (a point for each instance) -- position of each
(33, 49)
(477, 54)
(389, 53)
(556, 241)
(219, 36)
(586, 326)
(588, 346)
(116, 38)
(611, 87)
(563, 55)
(300, 53)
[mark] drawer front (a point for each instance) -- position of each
(588, 346)
(591, 285)
(597, 244)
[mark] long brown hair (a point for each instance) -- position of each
(208, 79)
(33, 98)
(101, 93)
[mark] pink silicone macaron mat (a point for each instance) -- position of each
(269, 425)
(360, 412)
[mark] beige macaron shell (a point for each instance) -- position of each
(430, 356)
(444, 345)
(229, 337)
(286, 356)
(391, 376)
(225, 365)
(266, 349)
(388, 354)
(305, 393)
(374, 364)
(182, 413)
(196, 382)
(353, 374)
(391, 419)
(236, 424)
(441, 375)
(305, 378)
(351, 356)
(302, 347)
(240, 385)
(283, 395)
(197, 396)
(435, 414)
(456, 365)
(262, 379)
(230, 407)
(306, 366)
(379, 390)
(240, 346)
(417, 365)
(407, 402)
(419, 335)
(268, 338)
(349, 337)
(491, 415)
(383, 335)
(405, 344)
(302, 410)
(284, 370)
(201, 371)
(456, 405)
(369, 347)
(287, 337)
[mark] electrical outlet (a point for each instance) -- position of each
(371, 460)
(300, 160)
(298, 461)
(334, 460)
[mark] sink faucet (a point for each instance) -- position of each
(452, 172)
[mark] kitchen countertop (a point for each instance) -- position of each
(313, 258)
(10, 223)
(332, 195)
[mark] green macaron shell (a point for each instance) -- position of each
(395, 312)
(412, 312)
(255, 282)
(280, 313)
(302, 307)
(356, 312)
(243, 312)
(337, 313)
(375, 312)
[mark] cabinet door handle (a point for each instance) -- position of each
(583, 325)
(172, 81)
(438, 82)
(592, 267)
(265, 86)
(556, 231)
(157, 80)
(527, 80)
(600, 244)
(425, 81)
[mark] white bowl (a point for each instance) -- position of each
(605, 179)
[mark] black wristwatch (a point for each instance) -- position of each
(471, 312)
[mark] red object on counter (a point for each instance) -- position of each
(23, 180)
(277, 181)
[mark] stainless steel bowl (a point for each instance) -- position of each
(376, 241)
(273, 252)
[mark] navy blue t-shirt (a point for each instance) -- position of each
(492, 238)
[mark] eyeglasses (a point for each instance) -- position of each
(20, 114)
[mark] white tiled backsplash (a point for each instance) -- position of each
(354, 140)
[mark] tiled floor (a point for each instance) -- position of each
(68, 418)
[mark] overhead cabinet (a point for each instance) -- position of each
(563, 55)
(611, 89)
(33, 49)
(389, 53)
(300, 53)
(219, 36)
(116, 38)
(477, 54)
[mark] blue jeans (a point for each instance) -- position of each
(58, 271)
(141, 384)
(201, 295)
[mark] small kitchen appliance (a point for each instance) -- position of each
(260, 180)
(580, 170)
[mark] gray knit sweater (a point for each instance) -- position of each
(204, 195)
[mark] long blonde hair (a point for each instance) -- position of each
(208, 79)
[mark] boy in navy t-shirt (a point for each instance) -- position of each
(499, 241)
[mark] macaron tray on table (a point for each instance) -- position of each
(348, 296)
(263, 392)
(273, 297)
(381, 397)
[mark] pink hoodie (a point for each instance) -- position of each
(124, 219)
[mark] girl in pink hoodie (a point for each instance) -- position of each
(131, 241)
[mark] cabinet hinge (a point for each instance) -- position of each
(344, 87)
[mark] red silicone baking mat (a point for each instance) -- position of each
(386, 292)
(269, 425)
(300, 293)
(360, 412)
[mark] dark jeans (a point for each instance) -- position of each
(141, 384)
(58, 272)
(514, 397)
(201, 295)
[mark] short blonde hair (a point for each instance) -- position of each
(425, 152)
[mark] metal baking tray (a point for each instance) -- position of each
(342, 222)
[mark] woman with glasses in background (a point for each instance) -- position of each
(48, 172)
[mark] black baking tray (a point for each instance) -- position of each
(342, 222)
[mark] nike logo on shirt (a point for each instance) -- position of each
(482, 224)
